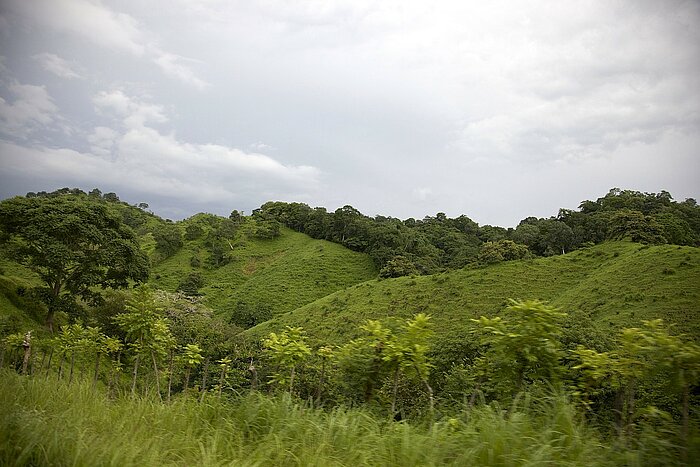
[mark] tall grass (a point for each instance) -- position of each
(46, 422)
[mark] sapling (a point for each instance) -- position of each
(224, 365)
(146, 329)
(524, 345)
(191, 357)
(326, 353)
(408, 350)
(362, 359)
(286, 351)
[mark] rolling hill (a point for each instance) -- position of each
(272, 276)
(604, 288)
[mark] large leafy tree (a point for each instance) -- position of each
(75, 244)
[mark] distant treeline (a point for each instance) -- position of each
(425, 246)
(435, 243)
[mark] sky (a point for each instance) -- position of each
(498, 110)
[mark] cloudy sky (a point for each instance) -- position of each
(497, 110)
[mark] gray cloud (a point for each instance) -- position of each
(31, 109)
(405, 108)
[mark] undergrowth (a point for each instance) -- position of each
(46, 422)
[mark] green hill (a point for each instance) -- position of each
(254, 278)
(265, 276)
(609, 286)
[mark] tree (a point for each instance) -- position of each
(408, 351)
(74, 244)
(147, 331)
(636, 226)
(640, 352)
(286, 351)
(524, 346)
(502, 250)
(191, 357)
(362, 359)
(168, 239)
(398, 266)
(191, 284)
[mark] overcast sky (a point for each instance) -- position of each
(497, 110)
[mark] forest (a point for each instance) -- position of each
(299, 336)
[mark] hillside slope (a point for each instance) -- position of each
(615, 285)
(266, 275)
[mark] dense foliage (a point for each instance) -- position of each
(74, 244)
(436, 243)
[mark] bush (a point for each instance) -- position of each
(191, 284)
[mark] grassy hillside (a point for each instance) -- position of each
(279, 274)
(612, 285)
(261, 276)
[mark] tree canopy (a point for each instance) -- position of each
(75, 244)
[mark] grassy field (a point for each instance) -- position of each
(282, 274)
(609, 286)
(47, 422)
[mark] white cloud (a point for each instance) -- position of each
(135, 114)
(140, 158)
(32, 109)
(260, 146)
(102, 141)
(172, 66)
(56, 65)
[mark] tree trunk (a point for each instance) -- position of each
(49, 318)
(43, 360)
(187, 379)
(155, 368)
(430, 396)
(48, 365)
(51, 308)
(135, 373)
(221, 379)
(254, 372)
(430, 393)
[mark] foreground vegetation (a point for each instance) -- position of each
(47, 422)
(523, 399)
(429, 370)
